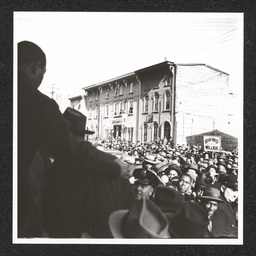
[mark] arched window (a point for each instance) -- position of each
(155, 131)
(145, 102)
(145, 132)
(167, 130)
(90, 112)
(130, 106)
(167, 100)
(156, 102)
(116, 91)
(131, 88)
(96, 111)
(116, 108)
(121, 107)
(107, 93)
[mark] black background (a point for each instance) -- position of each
(6, 96)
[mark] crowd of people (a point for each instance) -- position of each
(171, 176)
(72, 188)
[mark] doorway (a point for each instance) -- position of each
(117, 131)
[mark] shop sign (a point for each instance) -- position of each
(117, 121)
(212, 143)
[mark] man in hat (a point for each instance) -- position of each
(40, 120)
(222, 167)
(173, 170)
(149, 162)
(145, 183)
(94, 200)
(210, 200)
(226, 217)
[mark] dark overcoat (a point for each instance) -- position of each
(40, 120)
(224, 222)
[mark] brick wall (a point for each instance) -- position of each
(203, 102)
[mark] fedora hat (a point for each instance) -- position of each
(215, 167)
(221, 162)
(200, 183)
(77, 121)
(145, 176)
(138, 161)
(150, 159)
(190, 166)
(168, 199)
(212, 194)
(143, 220)
(230, 181)
(174, 167)
(161, 167)
(234, 166)
(190, 221)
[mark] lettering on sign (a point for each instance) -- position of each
(212, 143)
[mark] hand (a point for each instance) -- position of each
(126, 169)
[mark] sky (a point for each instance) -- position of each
(85, 48)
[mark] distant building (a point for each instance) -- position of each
(228, 142)
(164, 100)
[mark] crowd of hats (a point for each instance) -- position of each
(161, 166)
(163, 156)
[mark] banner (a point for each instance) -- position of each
(212, 143)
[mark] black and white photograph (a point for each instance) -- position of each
(128, 128)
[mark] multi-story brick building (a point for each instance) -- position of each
(164, 100)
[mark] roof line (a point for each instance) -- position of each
(126, 75)
(202, 64)
(109, 81)
(75, 97)
(155, 65)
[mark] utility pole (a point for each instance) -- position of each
(53, 88)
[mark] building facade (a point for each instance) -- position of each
(165, 100)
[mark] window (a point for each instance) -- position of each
(97, 96)
(131, 88)
(96, 111)
(116, 90)
(145, 101)
(107, 94)
(90, 97)
(121, 107)
(130, 133)
(155, 131)
(116, 108)
(130, 106)
(106, 110)
(167, 100)
(156, 102)
(145, 132)
(121, 91)
(167, 80)
(90, 113)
